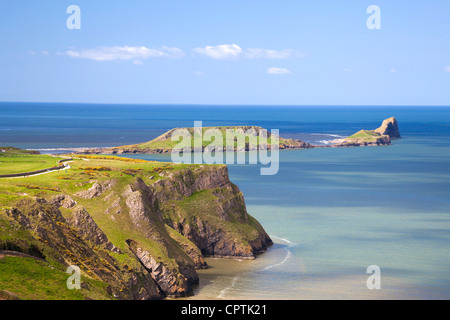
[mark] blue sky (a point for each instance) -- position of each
(288, 52)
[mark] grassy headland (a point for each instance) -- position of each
(137, 229)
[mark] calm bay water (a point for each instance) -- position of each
(331, 212)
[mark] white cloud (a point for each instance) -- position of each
(447, 68)
(256, 53)
(199, 73)
(393, 70)
(139, 53)
(125, 53)
(220, 52)
(233, 51)
(45, 53)
(275, 70)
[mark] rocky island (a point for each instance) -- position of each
(163, 144)
(380, 136)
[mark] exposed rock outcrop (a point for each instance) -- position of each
(189, 247)
(96, 190)
(174, 284)
(64, 201)
(89, 230)
(146, 216)
(215, 221)
(222, 228)
(389, 127)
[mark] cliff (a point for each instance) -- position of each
(136, 233)
(389, 127)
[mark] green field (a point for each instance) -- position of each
(74, 179)
(32, 279)
(366, 135)
(18, 161)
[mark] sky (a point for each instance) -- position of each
(240, 52)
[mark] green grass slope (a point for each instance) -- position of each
(14, 160)
(126, 211)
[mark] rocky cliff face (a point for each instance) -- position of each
(389, 127)
(143, 239)
(217, 221)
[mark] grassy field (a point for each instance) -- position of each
(83, 170)
(18, 161)
(42, 281)
(366, 135)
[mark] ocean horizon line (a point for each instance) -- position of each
(230, 104)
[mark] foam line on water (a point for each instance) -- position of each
(286, 258)
(327, 134)
(284, 240)
(223, 291)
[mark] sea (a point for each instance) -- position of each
(334, 214)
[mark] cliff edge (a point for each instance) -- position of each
(389, 127)
(136, 229)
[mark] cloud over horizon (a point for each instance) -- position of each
(233, 51)
(139, 53)
(136, 53)
(220, 52)
(275, 70)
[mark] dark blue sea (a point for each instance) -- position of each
(331, 212)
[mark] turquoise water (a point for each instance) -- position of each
(334, 212)
(331, 212)
(341, 211)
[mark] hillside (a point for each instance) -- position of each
(13, 161)
(137, 229)
(164, 143)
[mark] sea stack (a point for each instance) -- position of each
(389, 127)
